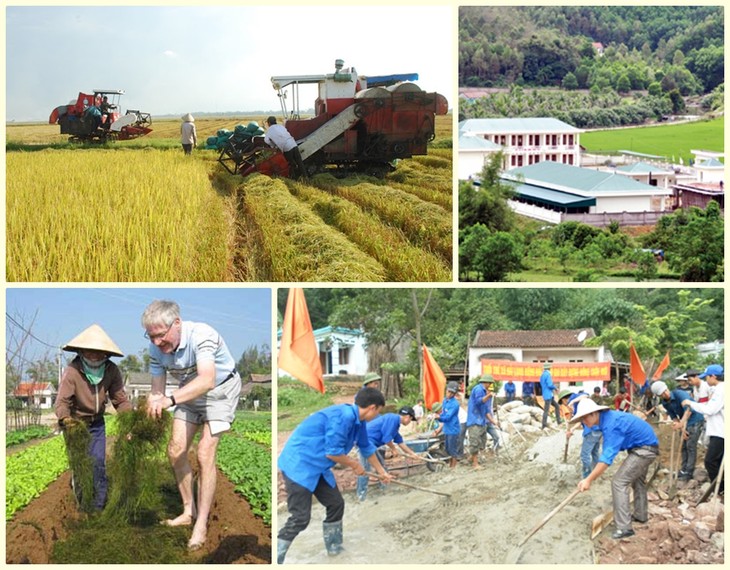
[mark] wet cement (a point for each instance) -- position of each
(489, 512)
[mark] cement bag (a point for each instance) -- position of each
(520, 418)
(521, 410)
(511, 405)
(531, 428)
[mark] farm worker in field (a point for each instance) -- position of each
(106, 110)
(621, 432)
(590, 449)
(546, 383)
(714, 412)
(385, 430)
(89, 379)
(197, 357)
(188, 134)
(449, 417)
(322, 440)
(509, 390)
(278, 137)
(682, 413)
(476, 418)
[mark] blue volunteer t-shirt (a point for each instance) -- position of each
(450, 416)
(384, 429)
(332, 431)
(623, 431)
(476, 410)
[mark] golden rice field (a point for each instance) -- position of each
(134, 214)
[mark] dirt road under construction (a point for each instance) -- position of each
(490, 510)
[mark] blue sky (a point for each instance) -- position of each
(241, 315)
(179, 59)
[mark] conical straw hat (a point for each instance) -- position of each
(188, 118)
(93, 338)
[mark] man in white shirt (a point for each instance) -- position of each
(209, 386)
(278, 137)
(714, 412)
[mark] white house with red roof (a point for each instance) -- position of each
(38, 394)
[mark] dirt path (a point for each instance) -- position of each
(489, 512)
(235, 534)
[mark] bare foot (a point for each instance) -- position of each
(197, 540)
(184, 519)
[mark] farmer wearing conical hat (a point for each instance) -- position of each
(621, 432)
(209, 386)
(86, 383)
(188, 134)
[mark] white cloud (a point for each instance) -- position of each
(170, 53)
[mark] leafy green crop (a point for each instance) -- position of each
(22, 435)
(29, 472)
(244, 456)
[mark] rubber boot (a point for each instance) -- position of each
(282, 546)
(332, 537)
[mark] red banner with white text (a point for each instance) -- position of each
(504, 370)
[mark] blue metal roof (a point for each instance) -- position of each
(553, 197)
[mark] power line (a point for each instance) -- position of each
(30, 334)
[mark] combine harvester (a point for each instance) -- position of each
(85, 121)
(360, 124)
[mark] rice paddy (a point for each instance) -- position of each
(132, 213)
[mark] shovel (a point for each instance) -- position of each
(416, 487)
(516, 552)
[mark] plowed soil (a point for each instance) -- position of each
(235, 534)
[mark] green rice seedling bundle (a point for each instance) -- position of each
(113, 215)
(388, 245)
(77, 436)
(425, 224)
(135, 465)
(300, 246)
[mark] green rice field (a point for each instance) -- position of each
(668, 140)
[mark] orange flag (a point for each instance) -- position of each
(434, 381)
(662, 367)
(298, 354)
(637, 369)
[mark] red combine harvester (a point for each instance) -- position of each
(360, 124)
(96, 118)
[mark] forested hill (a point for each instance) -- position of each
(674, 46)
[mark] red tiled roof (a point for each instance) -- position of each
(530, 339)
(28, 388)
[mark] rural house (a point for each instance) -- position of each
(138, 384)
(524, 141)
(555, 193)
(254, 380)
(36, 394)
(520, 356)
(342, 351)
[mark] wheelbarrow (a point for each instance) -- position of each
(433, 450)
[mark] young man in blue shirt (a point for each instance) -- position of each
(476, 419)
(385, 430)
(621, 432)
(316, 445)
(548, 395)
(449, 417)
(672, 402)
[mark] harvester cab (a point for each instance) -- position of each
(360, 124)
(96, 117)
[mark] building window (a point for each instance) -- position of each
(344, 355)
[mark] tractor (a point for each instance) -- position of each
(95, 118)
(360, 124)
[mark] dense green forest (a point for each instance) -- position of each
(670, 47)
(446, 319)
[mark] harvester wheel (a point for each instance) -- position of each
(360, 110)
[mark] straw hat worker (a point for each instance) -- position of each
(188, 134)
(87, 382)
(621, 432)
